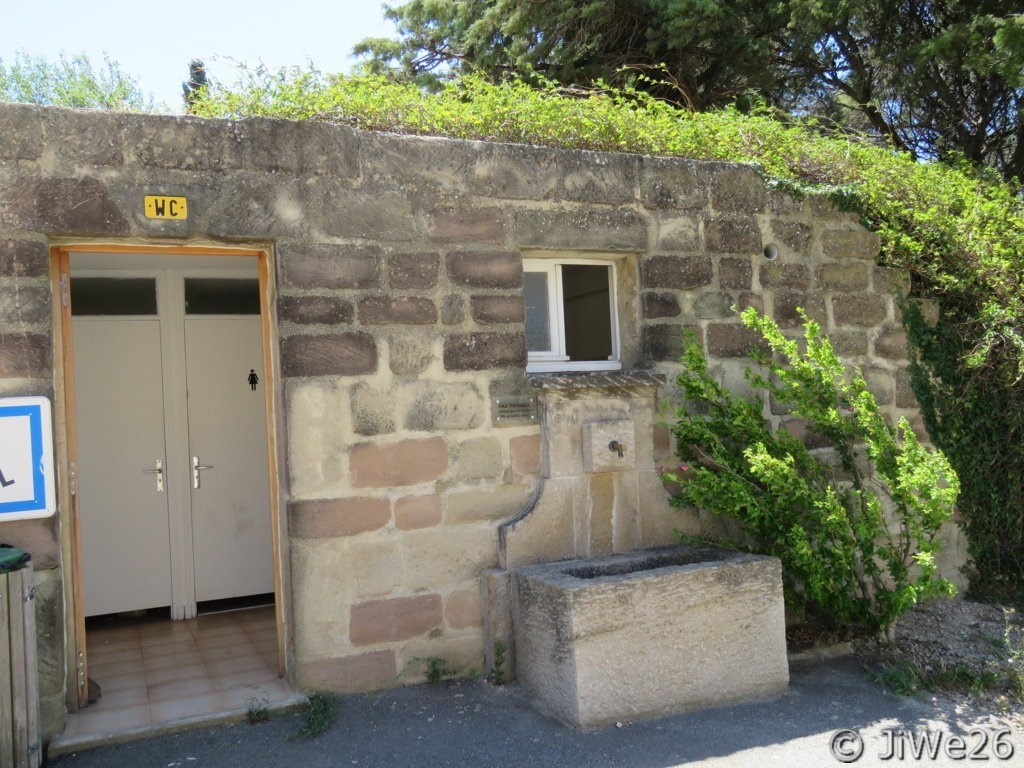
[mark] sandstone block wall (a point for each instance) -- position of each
(397, 279)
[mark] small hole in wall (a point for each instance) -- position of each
(771, 252)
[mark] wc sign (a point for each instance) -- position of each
(165, 207)
(26, 459)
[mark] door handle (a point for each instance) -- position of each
(159, 472)
(196, 466)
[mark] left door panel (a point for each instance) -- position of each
(126, 559)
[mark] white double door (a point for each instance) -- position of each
(172, 487)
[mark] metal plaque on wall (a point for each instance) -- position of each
(514, 409)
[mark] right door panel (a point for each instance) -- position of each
(227, 432)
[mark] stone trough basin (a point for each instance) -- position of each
(649, 633)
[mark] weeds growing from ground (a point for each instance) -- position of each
(436, 669)
(257, 709)
(319, 714)
(496, 675)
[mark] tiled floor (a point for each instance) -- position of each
(162, 671)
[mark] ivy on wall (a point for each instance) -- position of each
(977, 420)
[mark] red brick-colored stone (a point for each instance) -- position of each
(306, 310)
(486, 269)
(483, 351)
(462, 608)
(391, 619)
(405, 463)
(350, 674)
(341, 354)
(471, 225)
(497, 309)
(412, 512)
(329, 265)
(524, 452)
(404, 310)
(327, 518)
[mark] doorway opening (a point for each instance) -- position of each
(175, 551)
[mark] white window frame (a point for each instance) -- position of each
(556, 358)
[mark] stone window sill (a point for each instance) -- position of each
(611, 382)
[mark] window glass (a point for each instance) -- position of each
(538, 324)
(113, 296)
(222, 296)
(587, 305)
(570, 320)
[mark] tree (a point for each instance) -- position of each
(70, 82)
(936, 79)
(711, 51)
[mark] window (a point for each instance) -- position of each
(221, 296)
(570, 315)
(113, 296)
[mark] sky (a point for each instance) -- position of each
(154, 40)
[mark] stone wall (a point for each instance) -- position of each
(397, 272)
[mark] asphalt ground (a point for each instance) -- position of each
(475, 724)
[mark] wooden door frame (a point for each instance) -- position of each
(76, 662)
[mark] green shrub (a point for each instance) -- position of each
(854, 526)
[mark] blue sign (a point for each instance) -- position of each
(26, 459)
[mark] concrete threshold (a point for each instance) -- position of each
(61, 745)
